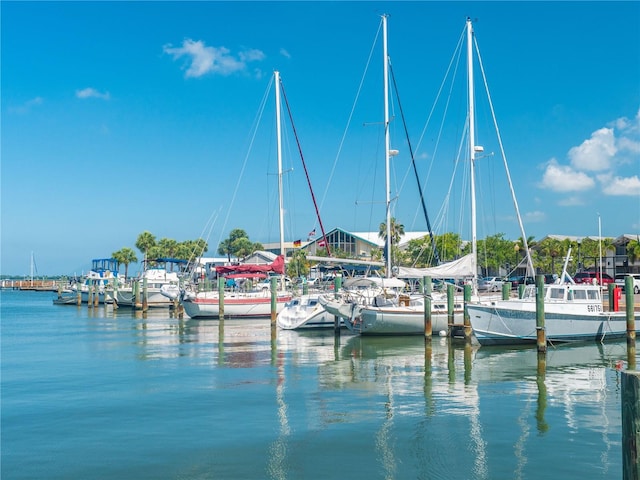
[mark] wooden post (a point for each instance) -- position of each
(611, 292)
(136, 294)
(631, 322)
(274, 300)
(115, 293)
(506, 290)
(630, 423)
(540, 329)
(221, 298)
(467, 320)
(337, 286)
(426, 291)
(79, 292)
(96, 293)
(450, 304)
(145, 295)
(629, 307)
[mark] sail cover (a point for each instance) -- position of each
(277, 267)
(459, 268)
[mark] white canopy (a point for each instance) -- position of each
(461, 268)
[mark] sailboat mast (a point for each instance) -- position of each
(385, 70)
(279, 146)
(472, 156)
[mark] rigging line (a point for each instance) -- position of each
(335, 162)
(304, 165)
(504, 160)
(256, 122)
(415, 169)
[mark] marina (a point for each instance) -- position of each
(115, 393)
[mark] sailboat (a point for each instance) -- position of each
(572, 312)
(247, 303)
(387, 310)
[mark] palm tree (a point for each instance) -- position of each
(125, 256)
(396, 231)
(633, 250)
(146, 240)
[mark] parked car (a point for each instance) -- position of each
(520, 280)
(621, 279)
(490, 284)
(588, 277)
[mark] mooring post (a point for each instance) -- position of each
(305, 286)
(116, 280)
(337, 286)
(450, 303)
(79, 293)
(96, 294)
(630, 383)
(221, 298)
(136, 294)
(521, 288)
(145, 295)
(426, 292)
(467, 320)
(631, 321)
(611, 292)
(274, 300)
(540, 329)
(506, 290)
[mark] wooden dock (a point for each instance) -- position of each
(37, 285)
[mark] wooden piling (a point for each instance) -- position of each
(629, 307)
(426, 292)
(136, 295)
(274, 300)
(450, 305)
(540, 328)
(145, 295)
(337, 286)
(611, 292)
(467, 319)
(221, 298)
(630, 383)
(506, 290)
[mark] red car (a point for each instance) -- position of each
(588, 277)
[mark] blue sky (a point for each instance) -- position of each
(124, 117)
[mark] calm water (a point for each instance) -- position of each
(89, 393)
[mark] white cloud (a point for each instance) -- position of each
(92, 93)
(573, 201)
(595, 153)
(561, 178)
(537, 216)
(202, 59)
(26, 106)
(620, 186)
(285, 53)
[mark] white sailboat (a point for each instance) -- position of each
(388, 311)
(247, 304)
(572, 312)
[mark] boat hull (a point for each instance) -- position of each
(502, 325)
(237, 305)
(306, 313)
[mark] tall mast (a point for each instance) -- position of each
(279, 146)
(385, 70)
(472, 156)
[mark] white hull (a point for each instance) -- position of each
(206, 305)
(305, 312)
(155, 299)
(514, 322)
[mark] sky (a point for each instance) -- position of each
(124, 117)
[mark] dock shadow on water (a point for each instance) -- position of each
(98, 393)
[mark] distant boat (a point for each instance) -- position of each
(99, 281)
(306, 312)
(162, 277)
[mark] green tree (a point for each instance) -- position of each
(633, 250)
(297, 265)
(494, 252)
(396, 231)
(145, 241)
(125, 256)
